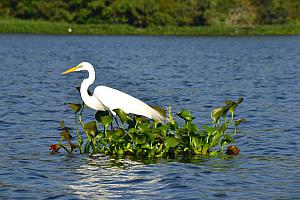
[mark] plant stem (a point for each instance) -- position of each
(65, 148)
(79, 138)
(231, 118)
(86, 132)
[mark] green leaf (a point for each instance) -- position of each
(145, 146)
(98, 137)
(140, 119)
(228, 139)
(181, 132)
(205, 148)
(122, 115)
(202, 133)
(164, 129)
(156, 130)
(225, 110)
(91, 127)
(191, 127)
(170, 116)
(213, 153)
(62, 124)
(144, 127)
(238, 121)
(105, 117)
(215, 139)
(104, 141)
(66, 135)
(115, 135)
(209, 129)
(217, 113)
(150, 136)
(240, 100)
(120, 132)
(223, 127)
(197, 142)
(76, 107)
(232, 108)
(229, 102)
(100, 114)
(174, 126)
(140, 139)
(120, 151)
(186, 115)
(171, 142)
(131, 132)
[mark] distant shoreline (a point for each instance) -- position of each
(60, 28)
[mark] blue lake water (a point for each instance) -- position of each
(197, 73)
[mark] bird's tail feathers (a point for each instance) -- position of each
(157, 113)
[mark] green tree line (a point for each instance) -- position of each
(145, 13)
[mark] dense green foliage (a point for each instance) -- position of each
(145, 13)
(138, 136)
(46, 27)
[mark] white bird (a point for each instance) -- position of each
(107, 99)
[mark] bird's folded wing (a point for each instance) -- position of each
(113, 99)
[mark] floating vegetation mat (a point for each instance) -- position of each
(122, 134)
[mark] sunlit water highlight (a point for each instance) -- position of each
(196, 73)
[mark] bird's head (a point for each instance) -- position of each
(82, 66)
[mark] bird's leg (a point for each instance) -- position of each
(116, 120)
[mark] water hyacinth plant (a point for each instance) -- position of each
(122, 134)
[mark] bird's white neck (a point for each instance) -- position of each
(88, 81)
(90, 101)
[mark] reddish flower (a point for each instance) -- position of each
(54, 147)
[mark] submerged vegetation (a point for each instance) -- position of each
(122, 134)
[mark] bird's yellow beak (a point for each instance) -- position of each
(71, 70)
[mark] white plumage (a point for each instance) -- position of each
(107, 99)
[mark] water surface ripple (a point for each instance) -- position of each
(196, 73)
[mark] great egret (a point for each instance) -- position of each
(107, 99)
